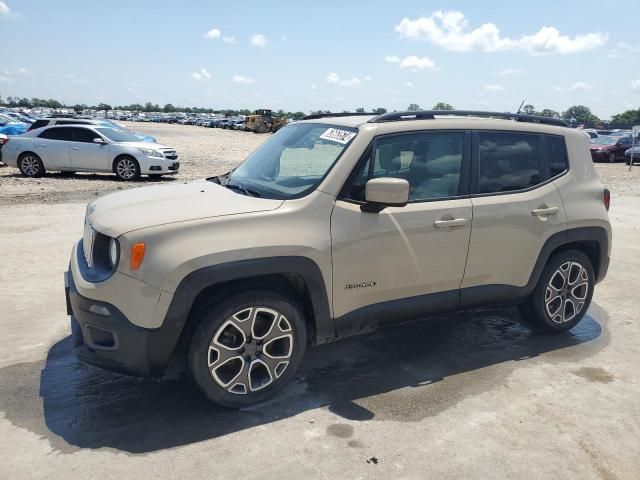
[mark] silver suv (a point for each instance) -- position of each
(335, 226)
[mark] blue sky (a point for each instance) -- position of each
(324, 55)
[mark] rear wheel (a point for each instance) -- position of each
(246, 347)
(563, 294)
(127, 168)
(30, 165)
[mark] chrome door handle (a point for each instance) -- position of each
(75, 148)
(456, 222)
(543, 212)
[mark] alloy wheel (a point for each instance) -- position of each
(30, 165)
(126, 169)
(566, 292)
(251, 350)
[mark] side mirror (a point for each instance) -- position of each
(385, 192)
(99, 141)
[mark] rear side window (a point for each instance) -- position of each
(557, 155)
(39, 124)
(56, 133)
(84, 135)
(509, 161)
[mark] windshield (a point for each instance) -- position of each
(604, 140)
(292, 162)
(117, 135)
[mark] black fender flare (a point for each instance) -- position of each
(198, 280)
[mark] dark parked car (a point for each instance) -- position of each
(609, 148)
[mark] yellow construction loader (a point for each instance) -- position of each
(263, 121)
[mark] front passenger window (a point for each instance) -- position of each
(430, 162)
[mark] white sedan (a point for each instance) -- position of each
(87, 148)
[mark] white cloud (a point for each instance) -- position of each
(314, 87)
(450, 30)
(229, 39)
(493, 88)
(409, 85)
(392, 59)
(19, 71)
(81, 81)
(581, 87)
(635, 85)
(202, 75)
(4, 79)
(243, 80)
(333, 78)
(557, 89)
(258, 40)
(368, 78)
(511, 71)
(354, 82)
(5, 11)
(416, 63)
(213, 34)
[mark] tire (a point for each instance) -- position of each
(31, 165)
(555, 306)
(246, 373)
(126, 168)
(612, 158)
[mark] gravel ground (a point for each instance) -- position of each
(203, 152)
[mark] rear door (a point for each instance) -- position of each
(516, 208)
(53, 147)
(87, 155)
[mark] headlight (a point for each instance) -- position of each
(151, 153)
(113, 252)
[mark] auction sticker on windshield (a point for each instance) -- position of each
(338, 135)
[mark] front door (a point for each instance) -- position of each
(397, 257)
(87, 155)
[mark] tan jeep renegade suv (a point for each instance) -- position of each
(334, 226)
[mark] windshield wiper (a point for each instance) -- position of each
(247, 191)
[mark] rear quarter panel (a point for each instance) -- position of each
(581, 189)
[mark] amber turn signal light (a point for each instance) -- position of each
(137, 256)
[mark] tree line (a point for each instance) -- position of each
(579, 114)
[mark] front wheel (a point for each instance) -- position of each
(246, 347)
(30, 165)
(612, 158)
(127, 168)
(563, 294)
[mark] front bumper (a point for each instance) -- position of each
(597, 155)
(104, 337)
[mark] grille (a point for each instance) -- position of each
(88, 238)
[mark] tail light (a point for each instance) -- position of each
(606, 198)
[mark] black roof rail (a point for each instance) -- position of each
(431, 114)
(315, 116)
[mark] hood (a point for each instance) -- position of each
(118, 213)
(142, 144)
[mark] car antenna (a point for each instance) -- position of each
(520, 107)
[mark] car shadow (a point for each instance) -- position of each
(405, 373)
